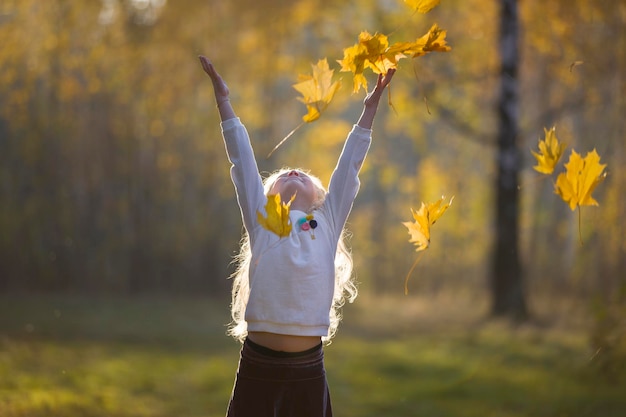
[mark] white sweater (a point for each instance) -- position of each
(292, 279)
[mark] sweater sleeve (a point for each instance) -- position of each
(344, 182)
(244, 171)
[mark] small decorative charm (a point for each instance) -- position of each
(308, 223)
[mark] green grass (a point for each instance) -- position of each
(404, 356)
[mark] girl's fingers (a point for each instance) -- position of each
(204, 62)
(388, 76)
(207, 66)
(218, 84)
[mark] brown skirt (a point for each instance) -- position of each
(280, 384)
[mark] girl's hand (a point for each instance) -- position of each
(220, 89)
(382, 82)
(370, 104)
(219, 86)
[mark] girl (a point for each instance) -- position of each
(286, 291)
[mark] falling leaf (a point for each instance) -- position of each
(422, 6)
(580, 178)
(550, 151)
(425, 217)
(277, 219)
(433, 41)
(317, 90)
(419, 229)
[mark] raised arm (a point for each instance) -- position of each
(370, 104)
(244, 171)
(220, 89)
(344, 182)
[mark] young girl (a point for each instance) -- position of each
(286, 291)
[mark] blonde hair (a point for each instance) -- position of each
(345, 287)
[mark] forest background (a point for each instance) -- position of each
(114, 178)
(118, 218)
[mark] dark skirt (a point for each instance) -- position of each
(280, 384)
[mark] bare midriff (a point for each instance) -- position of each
(283, 342)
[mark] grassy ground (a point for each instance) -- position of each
(404, 356)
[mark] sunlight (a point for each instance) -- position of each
(108, 12)
(144, 12)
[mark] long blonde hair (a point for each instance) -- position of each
(345, 287)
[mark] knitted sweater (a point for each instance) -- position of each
(292, 279)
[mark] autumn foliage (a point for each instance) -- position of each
(375, 52)
(372, 52)
(113, 178)
(581, 175)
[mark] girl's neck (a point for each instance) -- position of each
(304, 206)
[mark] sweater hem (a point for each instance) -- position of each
(288, 329)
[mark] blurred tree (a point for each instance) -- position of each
(506, 275)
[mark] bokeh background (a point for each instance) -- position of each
(118, 219)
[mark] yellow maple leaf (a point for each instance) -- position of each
(425, 217)
(550, 151)
(422, 6)
(317, 90)
(419, 229)
(277, 219)
(580, 178)
(373, 52)
(433, 41)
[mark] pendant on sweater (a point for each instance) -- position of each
(308, 223)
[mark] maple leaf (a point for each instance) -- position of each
(550, 151)
(419, 229)
(317, 90)
(422, 6)
(373, 52)
(580, 178)
(277, 219)
(425, 217)
(433, 41)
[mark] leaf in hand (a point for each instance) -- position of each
(375, 52)
(277, 219)
(317, 90)
(422, 6)
(419, 229)
(550, 151)
(580, 178)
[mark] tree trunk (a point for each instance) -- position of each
(506, 275)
